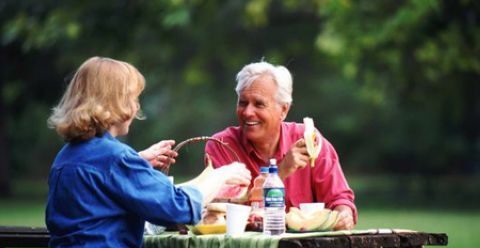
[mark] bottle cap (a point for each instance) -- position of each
(264, 169)
(273, 161)
(272, 169)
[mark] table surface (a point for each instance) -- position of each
(333, 239)
(15, 236)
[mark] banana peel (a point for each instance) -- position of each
(318, 220)
(310, 136)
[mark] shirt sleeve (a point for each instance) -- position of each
(330, 184)
(148, 193)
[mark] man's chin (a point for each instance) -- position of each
(251, 135)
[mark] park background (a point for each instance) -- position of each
(394, 85)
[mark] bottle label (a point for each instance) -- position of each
(274, 197)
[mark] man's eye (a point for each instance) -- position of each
(242, 103)
(260, 105)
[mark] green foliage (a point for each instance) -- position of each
(393, 84)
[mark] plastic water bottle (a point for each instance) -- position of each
(274, 202)
(256, 194)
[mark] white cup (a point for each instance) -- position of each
(313, 206)
(237, 216)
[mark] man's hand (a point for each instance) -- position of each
(295, 159)
(345, 221)
(160, 155)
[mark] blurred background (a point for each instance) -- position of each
(394, 85)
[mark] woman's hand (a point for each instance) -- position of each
(160, 155)
(345, 221)
(234, 173)
(295, 159)
(210, 181)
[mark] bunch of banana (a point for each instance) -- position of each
(318, 220)
(310, 135)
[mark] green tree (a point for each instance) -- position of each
(418, 63)
(393, 85)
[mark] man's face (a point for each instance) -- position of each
(259, 114)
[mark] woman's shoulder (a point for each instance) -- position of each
(119, 154)
(96, 153)
(103, 147)
(109, 144)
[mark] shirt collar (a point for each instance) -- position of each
(107, 135)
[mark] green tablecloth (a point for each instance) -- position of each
(175, 240)
(247, 240)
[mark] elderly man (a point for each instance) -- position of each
(264, 98)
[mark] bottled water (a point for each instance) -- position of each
(256, 194)
(274, 202)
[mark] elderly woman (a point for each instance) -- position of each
(101, 191)
(264, 99)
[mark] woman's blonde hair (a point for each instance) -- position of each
(103, 92)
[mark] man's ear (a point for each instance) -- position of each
(285, 109)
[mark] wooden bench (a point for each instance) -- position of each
(17, 236)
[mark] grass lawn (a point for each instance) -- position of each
(22, 213)
(461, 227)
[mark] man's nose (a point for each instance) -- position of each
(249, 110)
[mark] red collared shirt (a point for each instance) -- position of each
(324, 182)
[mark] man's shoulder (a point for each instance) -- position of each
(228, 133)
(293, 128)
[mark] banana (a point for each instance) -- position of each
(310, 135)
(295, 210)
(299, 220)
(330, 222)
(321, 218)
(295, 219)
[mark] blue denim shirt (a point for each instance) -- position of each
(101, 192)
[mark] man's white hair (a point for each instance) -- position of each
(280, 74)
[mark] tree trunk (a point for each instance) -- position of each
(471, 124)
(5, 189)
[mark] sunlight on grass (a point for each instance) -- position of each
(461, 227)
(22, 213)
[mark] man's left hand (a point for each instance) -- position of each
(345, 221)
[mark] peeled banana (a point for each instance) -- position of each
(310, 135)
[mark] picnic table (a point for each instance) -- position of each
(332, 239)
(20, 236)
(11, 236)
